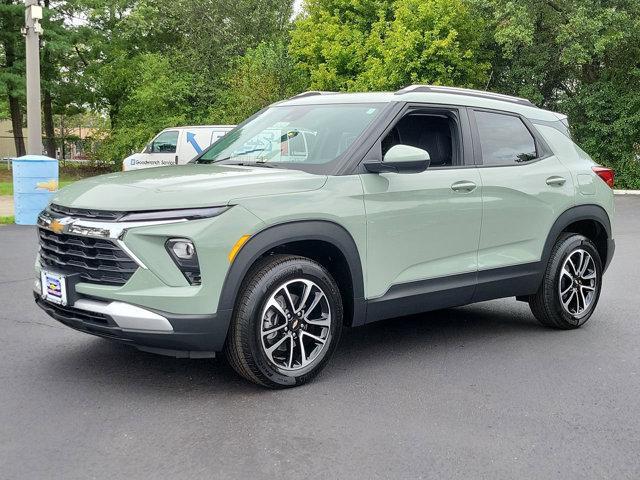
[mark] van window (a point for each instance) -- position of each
(504, 139)
(164, 143)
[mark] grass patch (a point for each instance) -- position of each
(7, 220)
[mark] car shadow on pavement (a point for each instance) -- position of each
(423, 337)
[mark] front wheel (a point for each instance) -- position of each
(571, 286)
(286, 323)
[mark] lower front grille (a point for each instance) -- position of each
(71, 314)
(95, 260)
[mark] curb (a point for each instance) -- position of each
(626, 192)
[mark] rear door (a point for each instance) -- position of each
(524, 189)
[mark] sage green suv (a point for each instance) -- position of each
(330, 210)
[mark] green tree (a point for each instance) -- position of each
(12, 66)
(158, 97)
(385, 44)
(264, 75)
(581, 57)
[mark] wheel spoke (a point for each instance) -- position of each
(315, 337)
(290, 364)
(580, 262)
(275, 304)
(303, 354)
(573, 267)
(584, 301)
(320, 322)
(588, 287)
(275, 346)
(568, 301)
(586, 260)
(319, 296)
(589, 276)
(289, 300)
(566, 273)
(308, 286)
(266, 333)
(564, 292)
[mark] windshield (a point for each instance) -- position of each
(294, 136)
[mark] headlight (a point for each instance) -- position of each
(183, 252)
(181, 214)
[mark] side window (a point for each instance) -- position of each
(435, 133)
(504, 139)
(164, 143)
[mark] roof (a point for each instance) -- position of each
(433, 95)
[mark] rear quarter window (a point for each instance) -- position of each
(504, 139)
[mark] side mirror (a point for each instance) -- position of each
(401, 159)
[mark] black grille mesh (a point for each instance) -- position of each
(96, 260)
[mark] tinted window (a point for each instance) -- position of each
(165, 143)
(504, 139)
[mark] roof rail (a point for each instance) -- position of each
(465, 91)
(311, 93)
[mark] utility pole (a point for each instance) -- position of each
(32, 32)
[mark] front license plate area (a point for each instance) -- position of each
(54, 287)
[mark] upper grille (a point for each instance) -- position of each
(96, 260)
(103, 215)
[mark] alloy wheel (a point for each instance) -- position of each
(578, 282)
(295, 324)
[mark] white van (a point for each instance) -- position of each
(174, 146)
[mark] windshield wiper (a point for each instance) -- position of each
(250, 164)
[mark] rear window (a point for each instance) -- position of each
(504, 139)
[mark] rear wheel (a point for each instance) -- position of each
(286, 323)
(571, 286)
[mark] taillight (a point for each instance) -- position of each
(606, 174)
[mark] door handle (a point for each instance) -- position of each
(463, 187)
(556, 181)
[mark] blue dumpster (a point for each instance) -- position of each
(35, 180)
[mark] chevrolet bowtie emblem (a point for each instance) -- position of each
(56, 226)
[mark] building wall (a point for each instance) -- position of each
(7, 144)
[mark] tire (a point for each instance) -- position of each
(567, 298)
(306, 339)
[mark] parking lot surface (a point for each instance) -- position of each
(476, 392)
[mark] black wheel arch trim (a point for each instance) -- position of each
(576, 214)
(283, 233)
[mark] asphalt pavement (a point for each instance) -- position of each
(476, 392)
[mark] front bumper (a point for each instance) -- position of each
(184, 336)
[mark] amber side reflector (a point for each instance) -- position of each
(236, 248)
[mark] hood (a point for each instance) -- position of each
(183, 186)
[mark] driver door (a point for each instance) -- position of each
(423, 229)
(162, 149)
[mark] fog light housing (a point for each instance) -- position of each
(183, 253)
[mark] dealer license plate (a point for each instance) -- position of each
(54, 288)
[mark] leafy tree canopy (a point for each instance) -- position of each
(385, 44)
